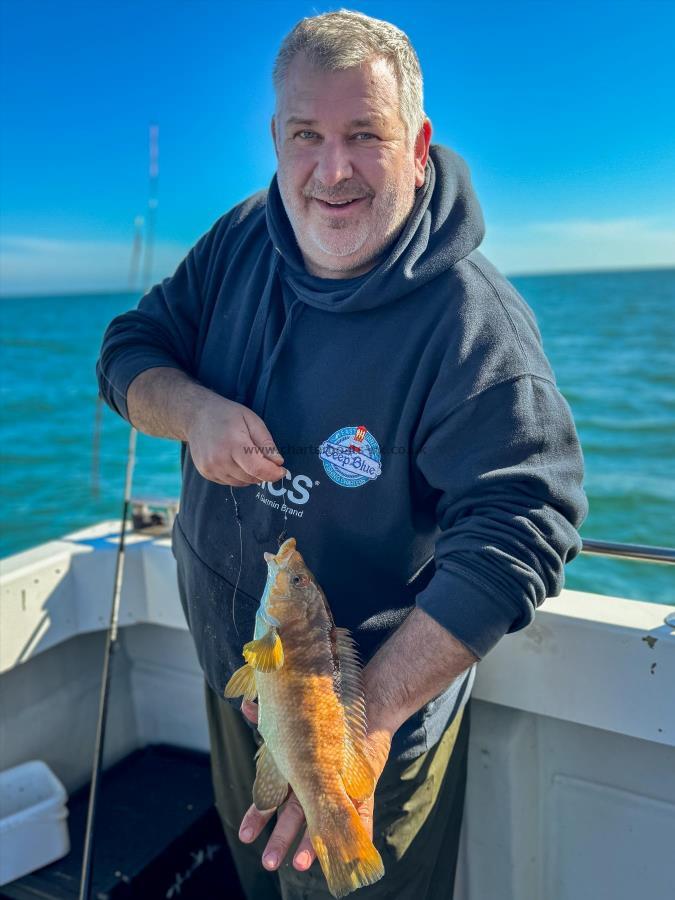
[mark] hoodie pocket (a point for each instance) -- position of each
(220, 621)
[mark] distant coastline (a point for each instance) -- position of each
(72, 295)
(617, 270)
(562, 273)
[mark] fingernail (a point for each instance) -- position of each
(246, 834)
(302, 860)
(271, 860)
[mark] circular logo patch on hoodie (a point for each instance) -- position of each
(351, 456)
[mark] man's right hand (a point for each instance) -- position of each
(230, 444)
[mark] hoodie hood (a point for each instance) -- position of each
(445, 225)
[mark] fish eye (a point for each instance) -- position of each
(299, 580)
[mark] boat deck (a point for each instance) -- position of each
(571, 791)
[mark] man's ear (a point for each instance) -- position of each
(422, 142)
(273, 128)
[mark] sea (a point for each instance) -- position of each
(609, 336)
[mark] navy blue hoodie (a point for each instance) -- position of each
(432, 460)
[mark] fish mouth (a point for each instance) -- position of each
(283, 555)
(275, 564)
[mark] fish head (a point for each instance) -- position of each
(291, 591)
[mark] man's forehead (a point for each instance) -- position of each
(362, 96)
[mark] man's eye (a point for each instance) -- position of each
(364, 136)
(306, 135)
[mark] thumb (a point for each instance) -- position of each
(261, 436)
(250, 711)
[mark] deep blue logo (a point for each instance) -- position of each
(351, 456)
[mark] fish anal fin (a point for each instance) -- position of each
(266, 654)
(242, 684)
(270, 786)
(357, 775)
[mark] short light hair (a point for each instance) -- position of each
(341, 40)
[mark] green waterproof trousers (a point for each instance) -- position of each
(418, 815)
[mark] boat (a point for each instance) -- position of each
(571, 785)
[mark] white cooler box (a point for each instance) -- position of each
(33, 827)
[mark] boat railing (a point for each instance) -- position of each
(636, 552)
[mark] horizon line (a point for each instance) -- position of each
(548, 273)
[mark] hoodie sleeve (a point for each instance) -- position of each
(507, 468)
(164, 330)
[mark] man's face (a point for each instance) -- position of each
(339, 137)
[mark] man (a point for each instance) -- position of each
(431, 473)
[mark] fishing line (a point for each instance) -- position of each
(237, 518)
(282, 536)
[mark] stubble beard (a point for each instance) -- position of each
(340, 238)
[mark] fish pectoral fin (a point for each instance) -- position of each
(357, 775)
(270, 786)
(266, 654)
(242, 683)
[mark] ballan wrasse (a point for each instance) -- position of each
(306, 676)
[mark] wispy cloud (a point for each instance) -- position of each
(35, 264)
(582, 244)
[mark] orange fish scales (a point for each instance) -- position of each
(306, 675)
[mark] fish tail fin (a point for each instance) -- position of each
(347, 855)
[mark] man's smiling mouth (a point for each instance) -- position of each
(339, 204)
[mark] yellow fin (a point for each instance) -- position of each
(348, 857)
(270, 786)
(266, 654)
(242, 683)
(357, 775)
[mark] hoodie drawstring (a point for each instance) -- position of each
(257, 334)
(260, 399)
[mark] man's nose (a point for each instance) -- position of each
(334, 164)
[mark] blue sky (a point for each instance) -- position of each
(564, 112)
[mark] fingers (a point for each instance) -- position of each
(234, 483)
(253, 823)
(261, 436)
(231, 445)
(262, 460)
(365, 810)
(226, 472)
(250, 459)
(222, 471)
(290, 820)
(250, 711)
(304, 855)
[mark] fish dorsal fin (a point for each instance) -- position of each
(266, 654)
(357, 774)
(242, 683)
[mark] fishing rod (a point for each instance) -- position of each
(111, 645)
(111, 640)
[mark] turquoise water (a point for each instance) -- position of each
(610, 338)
